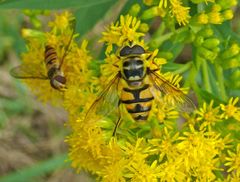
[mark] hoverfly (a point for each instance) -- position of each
(53, 65)
(140, 90)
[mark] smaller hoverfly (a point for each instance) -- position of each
(53, 65)
(135, 87)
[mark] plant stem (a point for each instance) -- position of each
(160, 39)
(220, 82)
(191, 81)
(183, 68)
(206, 80)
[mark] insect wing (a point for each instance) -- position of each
(106, 103)
(181, 100)
(28, 71)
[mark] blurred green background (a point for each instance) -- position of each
(31, 134)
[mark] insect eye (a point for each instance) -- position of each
(137, 49)
(125, 51)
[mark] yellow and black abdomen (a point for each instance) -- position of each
(138, 102)
(51, 60)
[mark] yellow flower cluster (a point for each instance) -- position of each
(216, 13)
(219, 12)
(124, 31)
(156, 150)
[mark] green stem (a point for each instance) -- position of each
(220, 82)
(206, 80)
(160, 39)
(159, 31)
(191, 81)
(183, 68)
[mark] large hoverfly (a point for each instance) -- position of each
(140, 90)
(53, 66)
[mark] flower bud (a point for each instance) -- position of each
(144, 27)
(202, 18)
(198, 41)
(135, 9)
(231, 63)
(225, 4)
(216, 7)
(30, 33)
(232, 51)
(211, 43)
(150, 13)
(153, 12)
(215, 17)
(206, 53)
(206, 32)
(216, 49)
(235, 75)
(227, 14)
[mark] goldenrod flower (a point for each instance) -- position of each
(215, 17)
(141, 171)
(171, 170)
(165, 113)
(200, 153)
(165, 146)
(233, 177)
(233, 161)
(208, 115)
(86, 146)
(124, 31)
(61, 21)
(230, 110)
(180, 12)
(202, 18)
(114, 172)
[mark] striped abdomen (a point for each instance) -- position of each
(138, 102)
(55, 75)
(51, 60)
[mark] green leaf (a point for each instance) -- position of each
(169, 67)
(42, 168)
(88, 17)
(51, 4)
(207, 97)
(175, 48)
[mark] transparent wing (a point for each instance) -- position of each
(106, 103)
(175, 95)
(28, 71)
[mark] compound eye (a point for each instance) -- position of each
(125, 51)
(136, 49)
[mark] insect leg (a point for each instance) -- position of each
(118, 121)
(116, 126)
